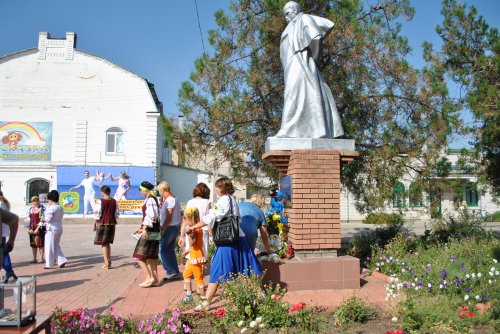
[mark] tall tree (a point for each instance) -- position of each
(470, 57)
(399, 117)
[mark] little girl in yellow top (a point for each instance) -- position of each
(194, 266)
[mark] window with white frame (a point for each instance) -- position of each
(114, 141)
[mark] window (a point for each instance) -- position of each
(471, 195)
(415, 195)
(114, 141)
(398, 197)
(37, 187)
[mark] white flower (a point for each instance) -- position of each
(495, 260)
(243, 330)
(416, 279)
(491, 273)
(477, 297)
(253, 324)
(466, 298)
(377, 264)
(473, 275)
(240, 323)
(496, 272)
(492, 269)
(394, 319)
(429, 285)
(403, 270)
(262, 326)
(444, 282)
(479, 275)
(490, 281)
(258, 320)
(467, 276)
(440, 286)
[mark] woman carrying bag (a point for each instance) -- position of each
(229, 258)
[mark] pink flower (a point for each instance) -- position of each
(276, 297)
(220, 312)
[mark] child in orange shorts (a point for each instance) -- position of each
(194, 265)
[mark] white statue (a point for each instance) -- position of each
(309, 110)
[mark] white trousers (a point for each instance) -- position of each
(86, 201)
(53, 251)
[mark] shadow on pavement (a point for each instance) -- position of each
(59, 285)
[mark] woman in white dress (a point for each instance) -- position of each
(123, 185)
(54, 229)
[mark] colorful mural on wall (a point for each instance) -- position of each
(25, 141)
(68, 177)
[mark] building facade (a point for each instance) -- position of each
(63, 111)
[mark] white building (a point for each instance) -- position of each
(415, 204)
(73, 111)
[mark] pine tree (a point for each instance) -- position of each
(399, 117)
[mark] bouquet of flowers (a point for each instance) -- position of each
(278, 239)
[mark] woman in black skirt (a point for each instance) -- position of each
(146, 250)
(104, 226)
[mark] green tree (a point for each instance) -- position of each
(399, 117)
(469, 56)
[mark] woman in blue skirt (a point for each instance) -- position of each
(228, 260)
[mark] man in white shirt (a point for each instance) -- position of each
(170, 221)
(89, 193)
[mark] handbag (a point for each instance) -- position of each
(227, 230)
(153, 236)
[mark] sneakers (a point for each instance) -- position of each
(172, 277)
(187, 299)
(203, 306)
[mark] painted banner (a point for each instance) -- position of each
(123, 181)
(26, 141)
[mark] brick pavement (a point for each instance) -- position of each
(84, 283)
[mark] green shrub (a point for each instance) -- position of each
(466, 225)
(439, 314)
(362, 244)
(494, 217)
(384, 218)
(353, 309)
(247, 304)
(464, 269)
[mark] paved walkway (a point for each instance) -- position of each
(84, 283)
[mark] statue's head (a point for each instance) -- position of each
(291, 10)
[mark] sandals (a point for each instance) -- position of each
(106, 265)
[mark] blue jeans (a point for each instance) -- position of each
(7, 265)
(167, 250)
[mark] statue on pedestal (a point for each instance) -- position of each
(309, 109)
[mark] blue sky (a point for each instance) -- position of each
(160, 39)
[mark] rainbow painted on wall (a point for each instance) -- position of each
(25, 141)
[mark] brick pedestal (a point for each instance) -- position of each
(314, 219)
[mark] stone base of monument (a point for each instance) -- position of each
(312, 167)
(310, 273)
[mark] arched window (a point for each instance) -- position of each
(114, 141)
(35, 187)
(471, 195)
(415, 195)
(398, 197)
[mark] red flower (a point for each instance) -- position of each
(296, 307)
(470, 314)
(64, 318)
(462, 315)
(396, 331)
(220, 312)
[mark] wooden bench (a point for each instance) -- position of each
(41, 322)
